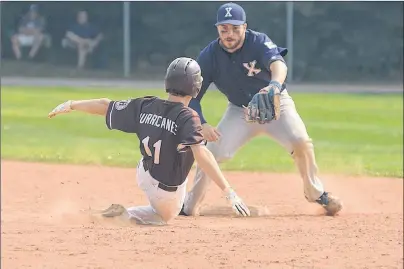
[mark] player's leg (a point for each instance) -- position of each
(164, 205)
(291, 133)
(235, 132)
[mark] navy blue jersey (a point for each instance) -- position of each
(241, 74)
(166, 131)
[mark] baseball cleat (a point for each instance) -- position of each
(330, 203)
(182, 212)
(113, 211)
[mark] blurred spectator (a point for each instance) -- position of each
(30, 33)
(83, 36)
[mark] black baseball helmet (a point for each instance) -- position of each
(183, 77)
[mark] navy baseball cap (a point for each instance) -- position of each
(230, 13)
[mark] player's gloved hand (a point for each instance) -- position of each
(265, 105)
(237, 204)
(61, 109)
(210, 133)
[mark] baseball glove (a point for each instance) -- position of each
(265, 105)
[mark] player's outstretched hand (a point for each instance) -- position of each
(211, 134)
(237, 204)
(61, 109)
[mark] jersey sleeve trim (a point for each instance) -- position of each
(201, 142)
(275, 59)
(108, 117)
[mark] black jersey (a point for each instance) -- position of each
(165, 129)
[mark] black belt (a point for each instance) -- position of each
(147, 164)
(168, 188)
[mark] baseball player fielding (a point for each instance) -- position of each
(249, 69)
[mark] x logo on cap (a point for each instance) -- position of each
(228, 14)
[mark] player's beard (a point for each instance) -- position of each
(231, 47)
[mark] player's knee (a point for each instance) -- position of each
(220, 154)
(301, 145)
(223, 158)
(167, 217)
(223, 155)
(165, 221)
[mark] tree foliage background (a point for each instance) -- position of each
(333, 41)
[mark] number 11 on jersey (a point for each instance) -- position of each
(157, 147)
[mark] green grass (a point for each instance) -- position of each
(353, 134)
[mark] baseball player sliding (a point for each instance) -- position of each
(170, 135)
(249, 69)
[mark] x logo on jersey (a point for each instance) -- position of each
(251, 68)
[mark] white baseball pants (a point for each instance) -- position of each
(163, 205)
(289, 131)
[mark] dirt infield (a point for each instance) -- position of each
(46, 224)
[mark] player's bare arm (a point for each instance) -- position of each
(279, 70)
(92, 106)
(208, 164)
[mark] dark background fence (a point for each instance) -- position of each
(333, 41)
